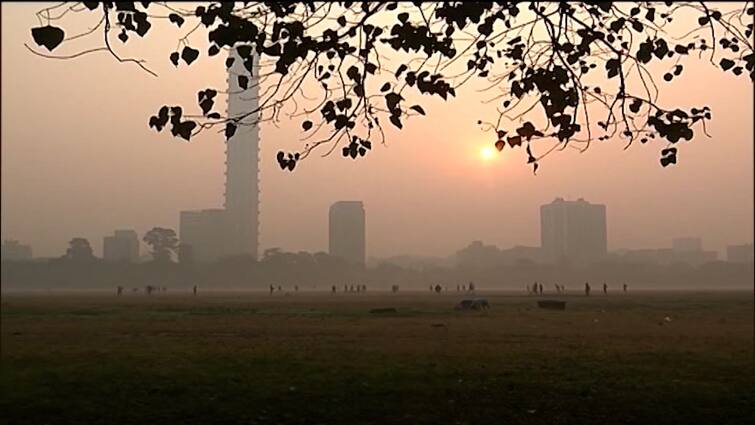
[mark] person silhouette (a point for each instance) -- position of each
(120, 290)
(587, 289)
(333, 289)
(194, 290)
(625, 288)
(272, 288)
(541, 289)
(605, 288)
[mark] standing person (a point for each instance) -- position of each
(471, 286)
(119, 290)
(587, 289)
(541, 289)
(194, 289)
(534, 288)
(625, 288)
(333, 289)
(605, 288)
(272, 288)
(296, 288)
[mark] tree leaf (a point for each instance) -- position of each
(189, 55)
(230, 130)
(243, 81)
(48, 36)
(174, 58)
(176, 19)
(418, 109)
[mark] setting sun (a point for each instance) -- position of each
(487, 153)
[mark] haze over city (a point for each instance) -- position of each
(95, 165)
(297, 213)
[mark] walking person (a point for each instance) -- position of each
(587, 289)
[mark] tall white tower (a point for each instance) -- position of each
(242, 164)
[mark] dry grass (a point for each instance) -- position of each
(317, 358)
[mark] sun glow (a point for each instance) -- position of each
(487, 153)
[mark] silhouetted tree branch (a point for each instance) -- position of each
(567, 60)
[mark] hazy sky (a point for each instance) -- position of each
(78, 159)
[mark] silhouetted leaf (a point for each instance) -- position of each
(230, 130)
(48, 36)
(306, 125)
(726, 64)
(396, 120)
(635, 105)
(189, 55)
(418, 109)
(185, 128)
(515, 141)
(401, 69)
(176, 19)
(500, 144)
(174, 58)
(243, 81)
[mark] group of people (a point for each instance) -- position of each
(149, 289)
(349, 288)
(537, 288)
(437, 288)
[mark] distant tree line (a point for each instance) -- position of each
(320, 271)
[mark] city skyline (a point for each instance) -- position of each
(428, 207)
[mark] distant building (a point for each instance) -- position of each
(202, 235)
(573, 230)
(740, 253)
(479, 255)
(347, 231)
(12, 250)
(210, 234)
(687, 244)
(242, 163)
(123, 245)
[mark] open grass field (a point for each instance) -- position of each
(252, 358)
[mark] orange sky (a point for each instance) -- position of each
(78, 159)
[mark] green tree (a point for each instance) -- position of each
(372, 61)
(163, 242)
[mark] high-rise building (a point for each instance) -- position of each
(740, 253)
(206, 235)
(347, 231)
(242, 162)
(123, 245)
(573, 230)
(12, 250)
